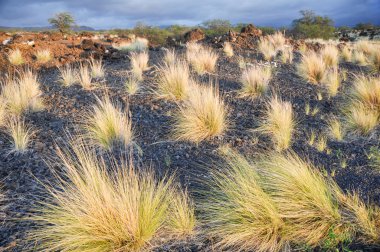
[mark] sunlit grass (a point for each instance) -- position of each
(255, 81)
(312, 68)
(15, 57)
(68, 75)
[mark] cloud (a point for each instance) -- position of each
(123, 13)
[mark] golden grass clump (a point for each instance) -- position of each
(346, 54)
(170, 57)
(202, 116)
(367, 91)
(139, 62)
(255, 81)
(238, 212)
(136, 45)
(279, 123)
(228, 50)
(108, 124)
(20, 135)
(360, 119)
(359, 58)
(174, 81)
(336, 129)
(364, 46)
(330, 55)
(84, 76)
(22, 94)
(97, 68)
(3, 112)
(68, 75)
(109, 206)
(202, 59)
(278, 40)
(375, 59)
(132, 85)
(287, 54)
(332, 82)
(267, 48)
(43, 56)
(15, 57)
(312, 67)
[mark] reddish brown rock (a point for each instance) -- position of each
(194, 35)
(251, 30)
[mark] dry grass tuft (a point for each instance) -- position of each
(139, 63)
(108, 124)
(312, 67)
(364, 46)
(22, 94)
(228, 50)
(335, 129)
(170, 57)
(174, 81)
(84, 76)
(97, 68)
(202, 116)
(332, 82)
(360, 119)
(43, 56)
(15, 57)
(132, 85)
(279, 123)
(367, 91)
(238, 211)
(202, 59)
(375, 60)
(267, 48)
(20, 135)
(136, 45)
(359, 58)
(255, 81)
(287, 54)
(330, 56)
(3, 112)
(68, 75)
(346, 54)
(278, 40)
(109, 206)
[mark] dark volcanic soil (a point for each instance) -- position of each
(152, 124)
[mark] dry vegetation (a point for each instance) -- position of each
(255, 81)
(68, 75)
(202, 59)
(312, 67)
(15, 57)
(43, 56)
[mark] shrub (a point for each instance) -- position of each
(311, 25)
(202, 116)
(330, 56)
(62, 21)
(109, 206)
(68, 75)
(228, 50)
(203, 60)
(22, 94)
(174, 81)
(238, 211)
(15, 57)
(85, 76)
(312, 67)
(267, 49)
(255, 81)
(20, 135)
(43, 56)
(97, 68)
(279, 123)
(108, 124)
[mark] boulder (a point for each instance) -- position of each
(194, 35)
(87, 44)
(251, 30)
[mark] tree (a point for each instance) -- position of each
(63, 21)
(311, 25)
(217, 26)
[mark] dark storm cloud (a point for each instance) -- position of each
(123, 13)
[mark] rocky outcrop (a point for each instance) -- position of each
(194, 35)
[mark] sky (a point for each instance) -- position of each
(108, 14)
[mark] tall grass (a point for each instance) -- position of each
(20, 135)
(255, 81)
(312, 67)
(139, 62)
(22, 94)
(136, 45)
(15, 57)
(367, 91)
(267, 49)
(85, 76)
(279, 123)
(332, 82)
(228, 50)
(43, 56)
(346, 54)
(170, 57)
(68, 75)
(202, 59)
(109, 206)
(174, 81)
(330, 56)
(97, 68)
(359, 58)
(108, 124)
(287, 54)
(202, 116)
(360, 119)
(278, 40)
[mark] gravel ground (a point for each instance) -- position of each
(152, 118)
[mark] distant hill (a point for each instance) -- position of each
(46, 28)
